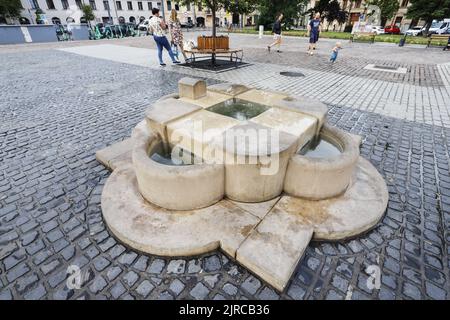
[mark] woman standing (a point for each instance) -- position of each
(175, 32)
(276, 30)
(158, 27)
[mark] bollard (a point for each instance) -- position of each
(261, 31)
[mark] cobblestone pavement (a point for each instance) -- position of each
(57, 109)
(420, 95)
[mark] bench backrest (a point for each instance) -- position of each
(207, 42)
(440, 36)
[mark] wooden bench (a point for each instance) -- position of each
(438, 37)
(356, 35)
(218, 46)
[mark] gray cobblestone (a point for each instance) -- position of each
(56, 216)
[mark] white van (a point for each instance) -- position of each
(439, 27)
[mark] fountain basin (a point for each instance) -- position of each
(322, 174)
(238, 109)
(175, 187)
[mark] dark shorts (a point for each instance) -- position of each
(313, 37)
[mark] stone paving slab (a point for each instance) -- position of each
(116, 153)
(274, 247)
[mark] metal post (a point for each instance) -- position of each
(109, 12)
(115, 10)
(162, 9)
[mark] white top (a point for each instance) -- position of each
(155, 25)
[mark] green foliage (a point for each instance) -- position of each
(429, 9)
(10, 8)
(334, 12)
(88, 13)
(331, 10)
(234, 6)
(269, 10)
(388, 9)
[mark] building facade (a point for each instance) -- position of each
(358, 7)
(120, 11)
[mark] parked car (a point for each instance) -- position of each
(188, 24)
(415, 31)
(378, 30)
(439, 27)
(143, 26)
(392, 29)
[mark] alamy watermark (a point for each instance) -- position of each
(241, 145)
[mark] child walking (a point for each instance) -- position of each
(334, 52)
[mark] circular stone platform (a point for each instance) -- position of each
(155, 230)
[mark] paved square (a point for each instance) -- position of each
(58, 107)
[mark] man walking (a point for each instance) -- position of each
(158, 28)
(314, 31)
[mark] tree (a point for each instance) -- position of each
(388, 9)
(88, 14)
(10, 8)
(269, 10)
(331, 10)
(429, 10)
(235, 6)
(334, 12)
(216, 5)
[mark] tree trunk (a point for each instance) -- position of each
(427, 27)
(350, 13)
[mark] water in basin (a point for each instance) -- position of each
(320, 148)
(176, 157)
(238, 109)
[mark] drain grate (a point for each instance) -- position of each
(292, 74)
(385, 67)
(380, 67)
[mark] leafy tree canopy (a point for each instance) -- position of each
(88, 13)
(429, 9)
(269, 10)
(388, 9)
(10, 8)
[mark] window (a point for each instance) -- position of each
(177, 7)
(150, 5)
(404, 3)
(199, 7)
(34, 4)
(358, 4)
(129, 5)
(78, 3)
(140, 6)
(158, 4)
(169, 5)
(106, 6)
(50, 5)
(65, 4)
(92, 4)
(188, 7)
(119, 5)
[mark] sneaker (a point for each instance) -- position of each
(162, 64)
(278, 51)
(176, 62)
(268, 48)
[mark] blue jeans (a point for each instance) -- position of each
(162, 42)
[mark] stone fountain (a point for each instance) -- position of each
(256, 174)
